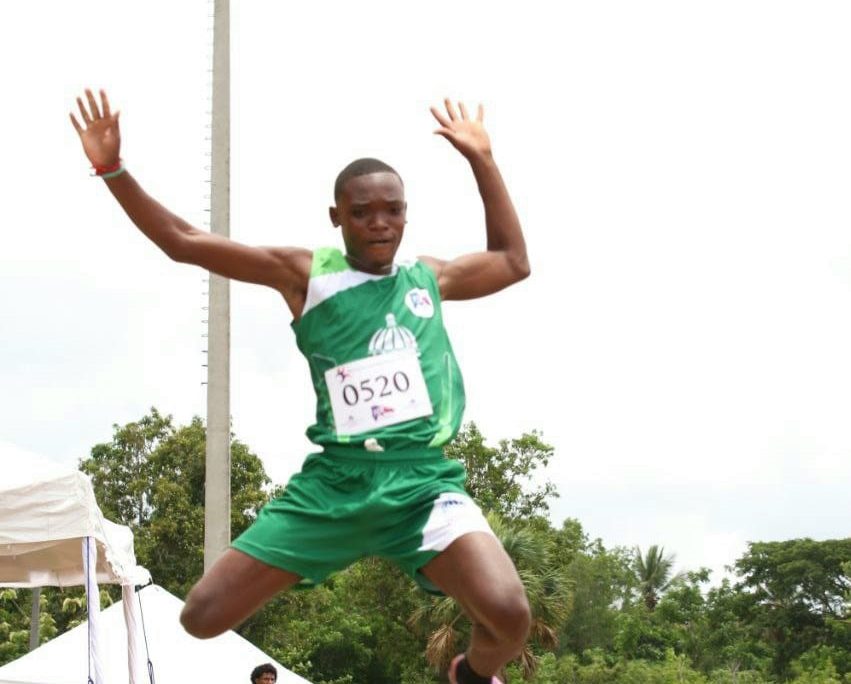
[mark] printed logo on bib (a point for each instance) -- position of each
(377, 391)
(419, 302)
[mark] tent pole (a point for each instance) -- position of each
(34, 618)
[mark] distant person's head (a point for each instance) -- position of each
(264, 674)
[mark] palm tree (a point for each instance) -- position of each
(547, 589)
(653, 572)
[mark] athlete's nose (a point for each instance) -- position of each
(379, 222)
(379, 218)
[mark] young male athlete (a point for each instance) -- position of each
(389, 396)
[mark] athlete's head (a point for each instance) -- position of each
(361, 167)
(370, 211)
(264, 674)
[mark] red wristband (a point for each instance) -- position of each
(101, 170)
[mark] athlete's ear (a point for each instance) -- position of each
(335, 216)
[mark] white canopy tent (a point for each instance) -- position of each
(175, 656)
(43, 525)
(52, 533)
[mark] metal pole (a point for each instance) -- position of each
(34, 618)
(217, 492)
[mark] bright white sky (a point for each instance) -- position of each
(682, 171)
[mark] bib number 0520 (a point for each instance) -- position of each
(380, 386)
(377, 391)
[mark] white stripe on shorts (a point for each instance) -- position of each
(453, 515)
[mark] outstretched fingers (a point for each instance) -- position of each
(464, 132)
(92, 113)
(76, 124)
(93, 105)
(441, 118)
(450, 110)
(446, 120)
(84, 112)
(105, 104)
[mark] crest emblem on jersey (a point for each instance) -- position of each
(392, 338)
(419, 302)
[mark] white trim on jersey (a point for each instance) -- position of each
(325, 286)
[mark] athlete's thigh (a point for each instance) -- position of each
(476, 571)
(231, 591)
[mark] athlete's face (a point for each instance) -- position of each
(371, 214)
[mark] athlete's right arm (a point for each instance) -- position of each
(285, 269)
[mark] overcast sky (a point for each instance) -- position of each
(681, 169)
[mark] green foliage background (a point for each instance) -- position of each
(600, 615)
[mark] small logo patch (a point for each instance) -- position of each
(379, 411)
(419, 302)
(449, 500)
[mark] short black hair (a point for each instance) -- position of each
(361, 167)
(265, 668)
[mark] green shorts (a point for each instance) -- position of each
(347, 504)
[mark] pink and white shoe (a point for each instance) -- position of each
(453, 668)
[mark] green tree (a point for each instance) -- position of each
(653, 572)
(14, 625)
(641, 635)
(60, 609)
(819, 665)
(151, 477)
(794, 597)
(120, 469)
(502, 479)
(603, 582)
(731, 647)
(683, 609)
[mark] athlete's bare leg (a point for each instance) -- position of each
(230, 592)
(476, 571)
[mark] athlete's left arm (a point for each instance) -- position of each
(505, 261)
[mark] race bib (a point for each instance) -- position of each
(377, 391)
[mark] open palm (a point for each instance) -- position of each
(467, 135)
(101, 137)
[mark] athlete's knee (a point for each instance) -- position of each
(197, 617)
(518, 619)
(510, 617)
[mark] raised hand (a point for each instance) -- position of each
(101, 138)
(467, 135)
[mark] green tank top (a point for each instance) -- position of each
(366, 339)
